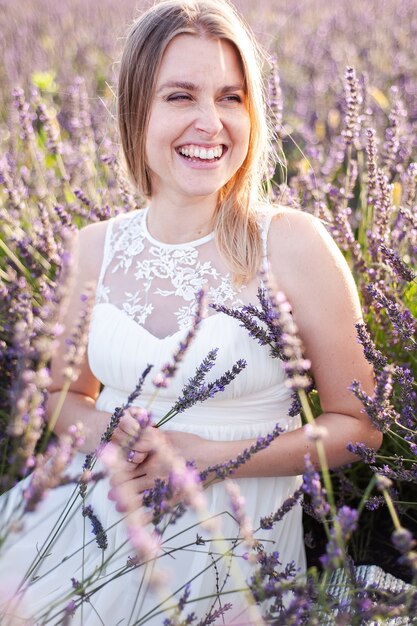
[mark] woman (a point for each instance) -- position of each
(194, 135)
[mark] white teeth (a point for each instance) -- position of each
(206, 154)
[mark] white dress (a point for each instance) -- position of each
(145, 302)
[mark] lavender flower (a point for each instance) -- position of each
(378, 407)
(312, 487)
(247, 322)
(268, 522)
(372, 354)
(401, 269)
(50, 468)
(238, 509)
(368, 455)
(25, 116)
(173, 621)
(371, 152)
(97, 527)
(215, 614)
(345, 523)
(279, 332)
(403, 540)
(192, 394)
(76, 344)
(352, 96)
(400, 317)
(225, 469)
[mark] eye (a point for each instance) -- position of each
(233, 97)
(178, 97)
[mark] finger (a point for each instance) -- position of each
(125, 498)
(135, 456)
(128, 424)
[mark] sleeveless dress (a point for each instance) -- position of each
(146, 298)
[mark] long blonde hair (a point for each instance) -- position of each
(236, 229)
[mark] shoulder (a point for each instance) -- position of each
(297, 238)
(89, 242)
(297, 227)
(306, 262)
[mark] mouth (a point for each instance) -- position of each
(200, 154)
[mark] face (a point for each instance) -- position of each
(199, 125)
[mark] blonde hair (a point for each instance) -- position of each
(235, 227)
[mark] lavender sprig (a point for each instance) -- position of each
(353, 100)
(400, 317)
(268, 521)
(313, 487)
(378, 407)
(247, 322)
(190, 395)
(191, 391)
(372, 354)
(401, 269)
(221, 470)
(345, 524)
(215, 614)
(97, 527)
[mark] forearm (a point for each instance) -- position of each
(285, 455)
(78, 408)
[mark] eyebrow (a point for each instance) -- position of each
(187, 86)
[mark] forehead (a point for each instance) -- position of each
(191, 56)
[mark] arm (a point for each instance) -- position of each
(311, 271)
(79, 405)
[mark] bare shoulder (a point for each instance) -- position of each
(300, 248)
(297, 230)
(90, 247)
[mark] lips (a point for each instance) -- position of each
(201, 153)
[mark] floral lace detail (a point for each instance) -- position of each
(138, 271)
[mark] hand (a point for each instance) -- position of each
(160, 450)
(130, 436)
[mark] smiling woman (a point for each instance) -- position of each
(194, 135)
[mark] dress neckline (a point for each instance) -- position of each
(170, 246)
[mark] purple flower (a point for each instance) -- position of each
(368, 455)
(312, 486)
(378, 407)
(97, 527)
(268, 522)
(401, 269)
(372, 354)
(226, 469)
(345, 524)
(353, 101)
(403, 540)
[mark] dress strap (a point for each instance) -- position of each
(264, 222)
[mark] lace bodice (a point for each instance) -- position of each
(156, 283)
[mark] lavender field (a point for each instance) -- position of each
(343, 102)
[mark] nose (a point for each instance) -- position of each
(208, 119)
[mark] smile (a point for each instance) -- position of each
(198, 153)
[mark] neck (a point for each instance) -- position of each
(172, 222)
